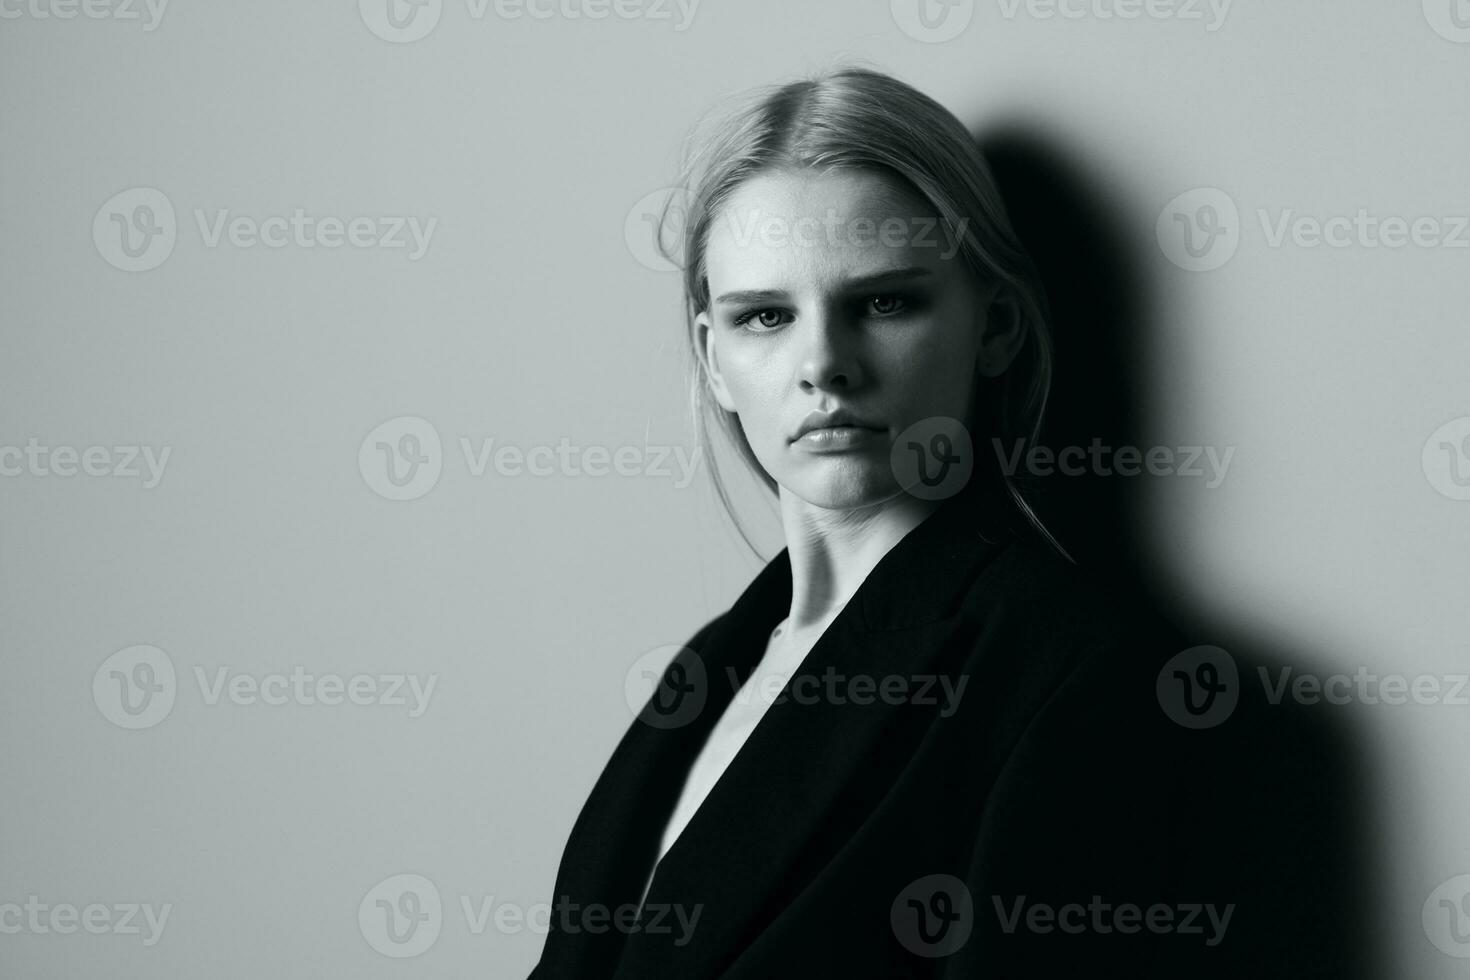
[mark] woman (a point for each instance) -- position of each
(922, 742)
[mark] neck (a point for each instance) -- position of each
(832, 551)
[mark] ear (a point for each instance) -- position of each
(1003, 334)
(704, 343)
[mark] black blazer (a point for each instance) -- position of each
(1019, 776)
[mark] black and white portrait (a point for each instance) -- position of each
(639, 489)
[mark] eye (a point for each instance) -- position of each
(763, 319)
(887, 304)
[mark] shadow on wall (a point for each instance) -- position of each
(1279, 791)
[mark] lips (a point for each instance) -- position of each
(834, 419)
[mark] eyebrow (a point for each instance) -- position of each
(850, 285)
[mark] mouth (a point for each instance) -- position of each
(838, 422)
(829, 438)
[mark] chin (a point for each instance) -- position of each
(843, 485)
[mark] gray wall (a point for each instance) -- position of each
(263, 543)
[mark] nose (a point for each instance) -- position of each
(829, 356)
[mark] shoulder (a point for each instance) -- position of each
(1033, 612)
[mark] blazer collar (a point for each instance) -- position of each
(917, 582)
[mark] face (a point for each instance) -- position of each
(839, 292)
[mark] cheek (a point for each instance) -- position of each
(754, 386)
(934, 365)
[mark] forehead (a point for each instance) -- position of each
(790, 230)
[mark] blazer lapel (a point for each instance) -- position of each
(815, 764)
(615, 839)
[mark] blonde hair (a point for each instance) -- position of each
(855, 118)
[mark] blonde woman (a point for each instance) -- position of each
(922, 742)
